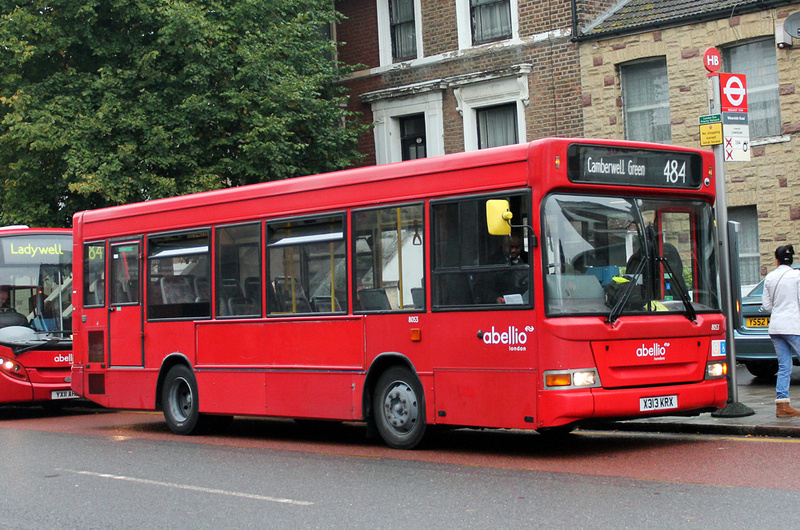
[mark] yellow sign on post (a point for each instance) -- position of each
(711, 134)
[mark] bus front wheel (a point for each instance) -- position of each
(179, 394)
(399, 408)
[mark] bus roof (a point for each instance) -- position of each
(351, 187)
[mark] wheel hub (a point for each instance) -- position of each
(400, 407)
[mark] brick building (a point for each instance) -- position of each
(444, 76)
(643, 78)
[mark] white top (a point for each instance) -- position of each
(782, 298)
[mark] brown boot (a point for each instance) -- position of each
(783, 410)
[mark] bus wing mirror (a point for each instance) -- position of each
(498, 217)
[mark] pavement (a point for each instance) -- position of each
(754, 393)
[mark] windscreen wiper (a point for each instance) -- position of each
(691, 314)
(627, 292)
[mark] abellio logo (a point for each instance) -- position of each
(657, 351)
(512, 337)
(63, 358)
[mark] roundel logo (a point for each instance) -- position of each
(733, 88)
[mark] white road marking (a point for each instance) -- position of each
(191, 488)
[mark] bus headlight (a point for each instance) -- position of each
(563, 379)
(13, 368)
(717, 369)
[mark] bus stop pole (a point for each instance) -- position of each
(733, 409)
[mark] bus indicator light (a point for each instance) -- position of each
(416, 334)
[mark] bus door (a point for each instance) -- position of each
(126, 347)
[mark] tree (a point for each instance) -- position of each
(106, 102)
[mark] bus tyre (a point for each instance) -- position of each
(399, 408)
(179, 395)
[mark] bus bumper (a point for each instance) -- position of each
(14, 390)
(561, 407)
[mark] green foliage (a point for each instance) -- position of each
(106, 102)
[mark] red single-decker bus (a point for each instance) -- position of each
(532, 286)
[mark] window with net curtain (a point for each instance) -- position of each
(491, 20)
(404, 38)
(497, 125)
(645, 101)
(758, 61)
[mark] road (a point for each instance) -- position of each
(88, 468)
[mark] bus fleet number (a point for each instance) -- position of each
(675, 171)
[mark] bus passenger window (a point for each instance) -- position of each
(238, 276)
(307, 266)
(94, 275)
(470, 266)
(389, 259)
(175, 263)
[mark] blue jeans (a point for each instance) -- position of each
(784, 346)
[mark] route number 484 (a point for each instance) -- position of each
(675, 172)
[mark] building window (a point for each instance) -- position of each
(493, 110)
(497, 125)
(645, 98)
(402, 117)
(491, 20)
(404, 36)
(485, 21)
(758, 61)
(412, 136)
(399, 30)
(749, 256)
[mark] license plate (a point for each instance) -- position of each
(63, 394)
(757, 322)
(658, 403)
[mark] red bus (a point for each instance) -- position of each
(35, 314)
(379, 294)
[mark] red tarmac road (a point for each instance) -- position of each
(759, 462)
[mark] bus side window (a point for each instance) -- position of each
(389, 258)
(307, 263)
(239, 271)
(471, 265)
(174, 262)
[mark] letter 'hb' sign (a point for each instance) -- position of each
(733, 92)
(712, 60)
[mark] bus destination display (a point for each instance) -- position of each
(634, 167)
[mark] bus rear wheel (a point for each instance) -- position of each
(399, 408)
(179, 394)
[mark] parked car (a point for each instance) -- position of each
(753, 346)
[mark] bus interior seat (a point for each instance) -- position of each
(454, 289)
(133, 290)
(252, 288)
(243, 306)
(177, 290)
(12, 318)
(273, 304)
(120, 294)
(97, 292)
(201, 289)
(418, 296)
(603, 274)
(322, 304)
(374, 300)
(574, 293)
(291, 295)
